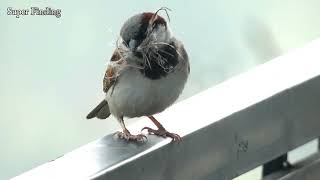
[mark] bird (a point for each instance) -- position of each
(145, 75)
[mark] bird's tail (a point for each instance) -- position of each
(101, 111)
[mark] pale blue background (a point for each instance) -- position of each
(51, 68)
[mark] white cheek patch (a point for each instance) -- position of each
(169, 31)
(162, 34)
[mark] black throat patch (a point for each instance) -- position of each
(157, 69)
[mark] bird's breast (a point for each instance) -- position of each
(136, 95)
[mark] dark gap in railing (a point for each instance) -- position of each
(277, 164)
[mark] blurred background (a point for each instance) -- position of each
(51, 69)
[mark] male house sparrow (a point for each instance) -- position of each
(146, 74)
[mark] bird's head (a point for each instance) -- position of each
(143, 31)
(146, 42)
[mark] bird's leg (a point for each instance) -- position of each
(161, 131)
(127, 135)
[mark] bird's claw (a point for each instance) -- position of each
(163, 133)
(130, 137)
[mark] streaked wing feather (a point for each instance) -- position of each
(110, 76)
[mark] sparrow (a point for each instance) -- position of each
(146, 74)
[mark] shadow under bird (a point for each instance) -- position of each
(146, 74)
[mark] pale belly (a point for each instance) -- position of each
(135, 95)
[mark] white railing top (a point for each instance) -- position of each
(227, 129)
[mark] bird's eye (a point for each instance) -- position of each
(132, 44)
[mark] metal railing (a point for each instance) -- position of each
(248, 121)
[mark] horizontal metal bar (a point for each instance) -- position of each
(227, 130)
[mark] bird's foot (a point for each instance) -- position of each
(163, 133)
(129, 137)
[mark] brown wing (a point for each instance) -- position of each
(110, 77)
